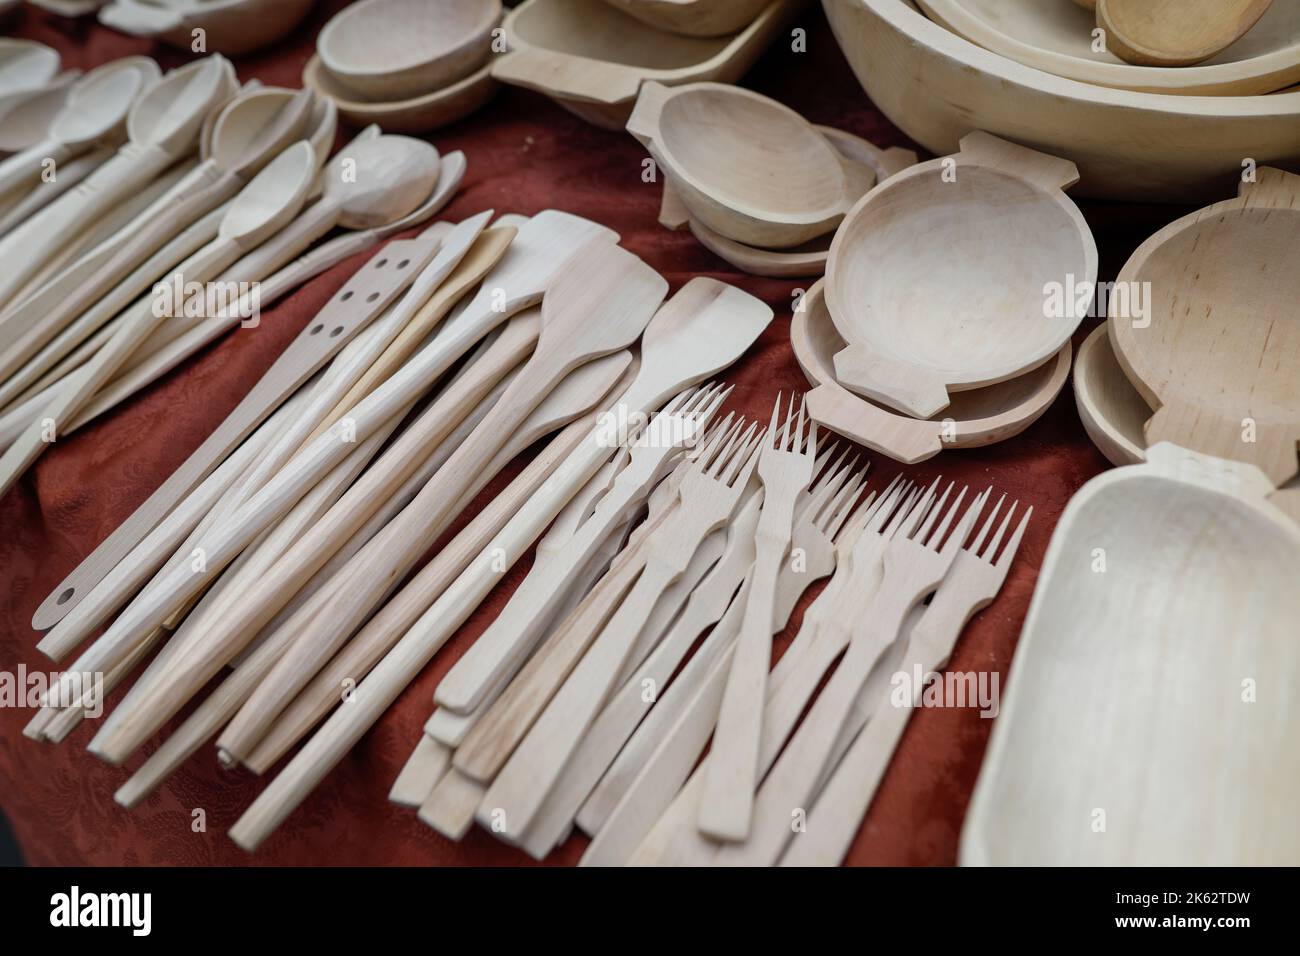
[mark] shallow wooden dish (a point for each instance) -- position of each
(938, 284)
(696, 18)
(416, 115)
(746, 166)
(1218, 351)
(1127, 706)
(1057, 38)
(386, 50)
(592, 58)
(979, 417)
(937, 87)
(1111, 409)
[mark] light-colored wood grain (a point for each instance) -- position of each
(1216, 351)
(1113, 412)
(396, 49)
(987, 315)
(1164, 33)
(1058, 39)
(414, 114)
(592, 58)
(746, 166)
(696, 18)
(977, 417)
(1124, 696)
(428, 762)
(449, 808)
(1144, 147)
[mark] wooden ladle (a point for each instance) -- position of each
(163, 126)
(1175, 32)
(746, 166)
(265, 205)
(938, 279)
(1217, 348)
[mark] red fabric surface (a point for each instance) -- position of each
(525, 155)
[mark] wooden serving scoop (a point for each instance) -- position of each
(1216, 350)
(1175, 32)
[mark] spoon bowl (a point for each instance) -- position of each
(397, 49)
(27, 115)
(97, 106)
(393, 177)
(1175, 32)
(172, 111)
(272, 198)
(26, 64)
(994, 233)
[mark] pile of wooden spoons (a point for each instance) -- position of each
(755, 182)
(951, 293)
(406, 65)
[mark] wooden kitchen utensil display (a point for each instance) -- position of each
(746, 166)
(163, 125)
(1126, 699)
(397, 49)
(1057, 38)
(1175, 32)
(592, 58)
(981, 416)
(1218, 351)
(984, 315)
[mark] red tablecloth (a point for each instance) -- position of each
(525, 155)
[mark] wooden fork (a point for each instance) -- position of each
(915, 563)
(971, 584)
(786, 468)
(709, 493)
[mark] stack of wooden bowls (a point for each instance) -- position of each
(1039, 72)
(409, 66)
(755, 182)
(951, 293)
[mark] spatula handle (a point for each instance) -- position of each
(1049, 172)
(566, 77)
(912, 389)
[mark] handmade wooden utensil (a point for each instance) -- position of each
(26, 115)
(1126, 706)
(163, 125)
(1217, 349)
(696, 18)
(232, 27)
(1167, 33)
(716, 330)
(95, 110)
(349, 310)
(991, 318)
(746, 166)
(1057, 38)
(786, 469)
(270, 201)
(975, 418)
(414, 114)
(396, 49)
(592, 58)
(26, 64)
(970, 586)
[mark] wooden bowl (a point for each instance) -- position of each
(592, 58)
(418, 114)
(1111, 409)
(1057, 38)
(232, 27)
(388, 50)
(979, 417)
(939, 284)
(696, 18)
(937, 87)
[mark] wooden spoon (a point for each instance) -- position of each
(1217, 347)
(1175, 32)
(163, 126)
(237, 156)
(746, 166)
(95, 109)
(265, 205)
(25, 115)
(938, 279)
(26, 64)
(981, 416)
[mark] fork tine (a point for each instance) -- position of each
(788, 437)
(919, 510)
(745, 464)
(1013, 545)
(839, 508)
(829, 488)
(932, 516)
(997, 538)
(735, 442)
(962, 530)
(715, 439)
(941, 536)
(988, 523)
(772, 433)
(900, 515)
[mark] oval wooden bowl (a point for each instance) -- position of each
(1126, 702)
(1057, 38)
(592, 58)
(1111, 409)
(979, 417)
(938, 283)
(937, 87)
(1217, 348)
(389, 50)
(416, 115)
